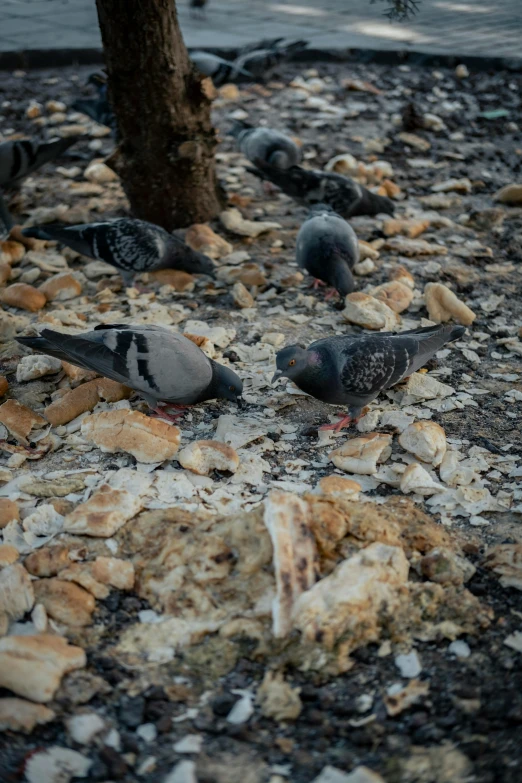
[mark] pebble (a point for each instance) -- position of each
(408, 664)
(460, 649)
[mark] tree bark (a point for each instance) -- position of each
(162, 105)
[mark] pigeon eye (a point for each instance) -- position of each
(231, 388)
(291, 362)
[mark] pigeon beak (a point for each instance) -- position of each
(240, 403)
(278, 374)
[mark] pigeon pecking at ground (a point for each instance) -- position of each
(265, 146)
(23, 156)
(133, 246)
(166, 368)
(327, 248)
(308, 187)
(352, 370)
(98, 109)
(220, 71)
(262, 57)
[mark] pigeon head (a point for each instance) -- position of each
(191, 260)
(342, 279)
(291, 362)
(226, 385)
(238, 127)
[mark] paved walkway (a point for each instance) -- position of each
(459, 27)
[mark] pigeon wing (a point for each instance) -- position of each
(162, 365)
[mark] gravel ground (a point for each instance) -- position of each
(149, 692)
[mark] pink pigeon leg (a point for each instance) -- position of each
(344, 421)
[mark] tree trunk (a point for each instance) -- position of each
(166, 147)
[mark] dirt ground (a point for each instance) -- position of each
(466, 727)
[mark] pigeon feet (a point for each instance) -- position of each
(269, 189)
(344, 421)
(329, 294)
(159, 412)
(317, 284)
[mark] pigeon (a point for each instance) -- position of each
(266, 55)
(352, 370)
(133, 246)
(221, 71)
(22, 157)
(197, 8)
(163, 366)
(307, 186)
(327, 248)
(265, 146)
(98, 109)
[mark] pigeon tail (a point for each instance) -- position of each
(6, 221)
(53, 149)
(279, 159)
(43, 345)
(372, 204)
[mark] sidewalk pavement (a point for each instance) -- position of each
(481, 28)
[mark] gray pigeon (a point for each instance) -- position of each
(327, 248)
(269, 53)
(161, 365)
(352, 370)
(265, 146)
(308, 187)
(221, 71)
(23, 156)
(133, 246)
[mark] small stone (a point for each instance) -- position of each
(100, 173)
(460, 649)
(36, 366)
(277, 699)
(412, 140)
(61, 287)
(33, 110)
(453, 185)
(461, 71)
(414, 247)
(242, 297)
(367, 251)
(359, 775)
(204, 456)
(65, 601)
(442, 305)
(24, 296)
(183, 772)
(147, 732)
(56, 765)
(432, 122)
(55, 106)
(84, 727)
(509, 194)
(368, 312)
(23, 716)
(192, 743)
(4, 385)
(202, 238)
(5, 273)
(409, 665)
(411, 228)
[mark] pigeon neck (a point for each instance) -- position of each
(212, 390)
